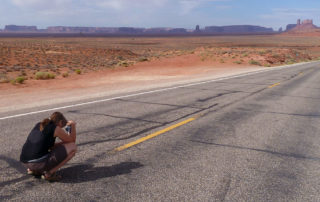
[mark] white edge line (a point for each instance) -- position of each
(149, 92)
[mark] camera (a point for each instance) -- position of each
(68, 129)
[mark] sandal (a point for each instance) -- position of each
(30, 172)
(51, 178)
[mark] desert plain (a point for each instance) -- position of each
(37, 71)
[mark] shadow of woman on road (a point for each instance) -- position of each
(87, 172)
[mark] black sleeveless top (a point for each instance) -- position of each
(38, 143)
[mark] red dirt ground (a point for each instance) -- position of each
(113, 66)
(110, 81)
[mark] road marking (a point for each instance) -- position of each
(153, 91)
(131, 144)
(274, 85)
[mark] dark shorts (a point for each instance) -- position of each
(57, 155)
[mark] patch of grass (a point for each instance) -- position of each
(78, 71)
(222, 61)
(237, 62)
(44, 75)
(254, 62)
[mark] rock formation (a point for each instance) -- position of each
(16, 28)
(302, 27)
(216, 30)
(197, 30)
(237, 29)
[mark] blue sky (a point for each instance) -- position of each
(157, 13)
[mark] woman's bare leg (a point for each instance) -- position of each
(71, 151)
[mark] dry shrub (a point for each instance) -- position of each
(78, 71)
(4, 78)
(20, 79)
(44, 75)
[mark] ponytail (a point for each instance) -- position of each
(44, 123)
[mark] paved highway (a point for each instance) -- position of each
(248, 138)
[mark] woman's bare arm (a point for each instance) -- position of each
(64, 136)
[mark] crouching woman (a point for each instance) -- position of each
(41, 155)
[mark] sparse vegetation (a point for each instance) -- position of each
(44, 75)
(20, 79)
(78, 71)
(143, 59)
(66, 74)
(254, 62)
(4, 78)
(26, 57)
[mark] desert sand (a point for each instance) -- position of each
(114, 66)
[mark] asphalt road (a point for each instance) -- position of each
(249, 138)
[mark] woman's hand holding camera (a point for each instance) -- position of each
(70, 123)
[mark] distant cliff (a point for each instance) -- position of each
(16, 28)
(237, 29)
(63, 29)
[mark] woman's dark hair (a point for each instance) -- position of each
(55, 118)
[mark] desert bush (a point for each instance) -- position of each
(123, 64)
(78, 71)
(20, 79)
(65, 75)
(143, 59)
(4, 78)
(238, 62)
(44, 75)
(254, 62)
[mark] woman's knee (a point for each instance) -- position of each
(70, 147)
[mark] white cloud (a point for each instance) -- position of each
(40, 4)
(189, 5)
(280, 17)
(142, 13)
(288, 13)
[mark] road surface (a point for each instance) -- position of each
(253, 137)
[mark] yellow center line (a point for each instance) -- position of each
(126, 146)
(276, 84)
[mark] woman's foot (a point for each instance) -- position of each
(51, 177)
